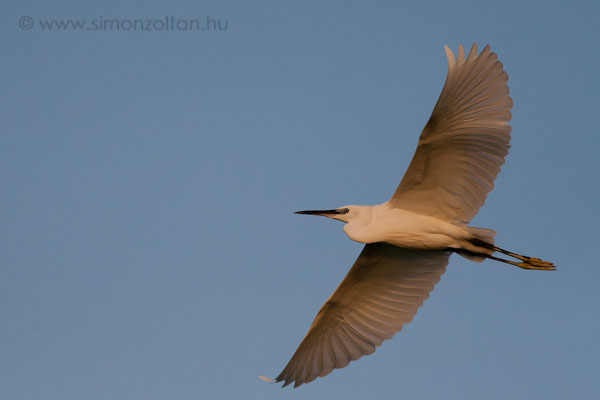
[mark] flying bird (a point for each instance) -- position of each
(409, 238)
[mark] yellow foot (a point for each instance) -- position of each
(537, 261)
(537, 264)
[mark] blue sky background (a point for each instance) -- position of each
(148, 248)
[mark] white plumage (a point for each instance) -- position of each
(463, 145)
(383, 290)
(410, 238)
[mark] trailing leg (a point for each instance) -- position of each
(546, 266)
(526, 262)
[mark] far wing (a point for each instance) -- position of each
(382, 292)
(463, 145)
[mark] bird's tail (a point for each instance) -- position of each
(478, 235)
(483, 234)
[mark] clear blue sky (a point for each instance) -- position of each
(148, 248)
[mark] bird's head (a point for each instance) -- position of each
(356, 218)
(344, 214)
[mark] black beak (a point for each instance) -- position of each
(324, 213)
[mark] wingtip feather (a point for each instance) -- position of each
(472, 52)
(449, 56)
(461, 54)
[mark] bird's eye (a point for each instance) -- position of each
(343, 210)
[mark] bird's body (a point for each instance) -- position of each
(409, 238)
(402, 228)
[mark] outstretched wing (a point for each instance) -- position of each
(463, 145)
(381, 292)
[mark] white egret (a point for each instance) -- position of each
(410, 237)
